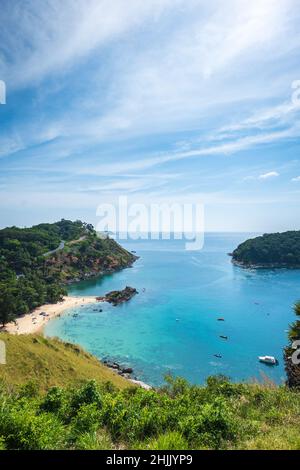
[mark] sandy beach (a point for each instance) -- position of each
(34, 322)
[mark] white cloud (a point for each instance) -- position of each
(171, 66)
(176, 79)
(184, 76)
(296, 179)
(279, 114)
(262, 177)
(266, 176)
(52, 37)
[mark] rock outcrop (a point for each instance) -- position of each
(117, 297)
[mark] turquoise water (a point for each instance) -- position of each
(171, 325)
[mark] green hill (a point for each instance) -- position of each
(272, 250)
(51, 362)
(37, 263)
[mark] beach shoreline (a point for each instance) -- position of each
(34, 321)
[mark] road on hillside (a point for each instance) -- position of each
(60, 247)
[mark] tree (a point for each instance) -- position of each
(294, 331)
(8, 303)
(55, 293)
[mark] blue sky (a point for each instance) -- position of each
(162, 101)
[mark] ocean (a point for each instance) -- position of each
(172, 327)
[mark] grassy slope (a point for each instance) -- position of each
(248, 416)
(51, 362)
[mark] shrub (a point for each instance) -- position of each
(54, 400)
(213, 424)
(87, 419)
(87, 394)
(23, 429)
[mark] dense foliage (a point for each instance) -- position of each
(272, 249)
(36, 262)
(178, 416)
(24, 282)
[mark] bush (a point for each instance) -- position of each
(178, 416)
(87, 394)
(24, 430)
(213, 424)
(87, 419)
(54, 400)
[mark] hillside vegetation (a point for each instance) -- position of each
(56, 396)
(270, 250)
(36, 263)
(220, 415)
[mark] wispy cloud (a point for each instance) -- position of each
(105, 97)
(53, 36)
(262, 177)
(270, 174)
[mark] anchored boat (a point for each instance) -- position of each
(271, 360)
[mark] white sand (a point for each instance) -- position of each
(34, 322)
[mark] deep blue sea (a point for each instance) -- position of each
(171, 325)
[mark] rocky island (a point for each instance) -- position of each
(117, 297)
(271, 250)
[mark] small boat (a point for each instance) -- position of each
(218, 356)
(221, 319)
(271, 360)
(223, 337)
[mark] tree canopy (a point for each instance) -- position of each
(270, 250)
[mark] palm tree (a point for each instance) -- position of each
(294, 331)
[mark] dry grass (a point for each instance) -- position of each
(51, 362)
